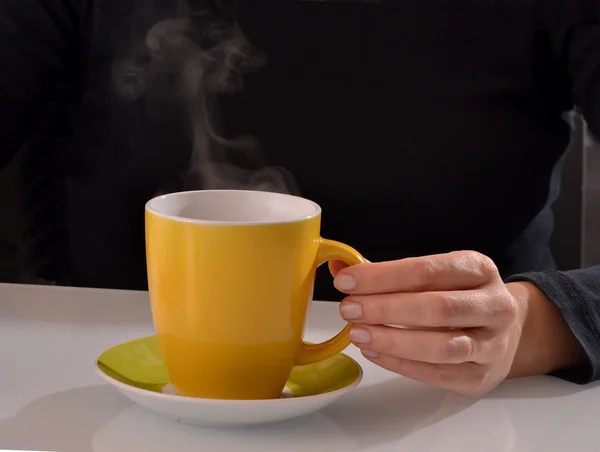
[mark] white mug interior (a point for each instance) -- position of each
(241, 207)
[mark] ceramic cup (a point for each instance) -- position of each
(231, 275)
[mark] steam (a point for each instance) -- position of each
(206, 54)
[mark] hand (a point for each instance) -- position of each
(461, 324)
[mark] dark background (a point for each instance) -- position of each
(591, 203)
(11, 222)
(576, 239)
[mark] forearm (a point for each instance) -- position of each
(547, 344)
(561, 331)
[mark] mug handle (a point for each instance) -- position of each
(312, 353)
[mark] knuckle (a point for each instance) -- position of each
(507, 308)
(485, 264)
(442, 309)
(511, 309)
(425, 271)
(477, 262)
(449, 350)
(456, 349)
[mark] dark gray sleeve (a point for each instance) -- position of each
(576, 294)
(37, 38)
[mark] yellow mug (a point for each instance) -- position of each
(231, 276)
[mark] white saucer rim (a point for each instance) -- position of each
(205, 401)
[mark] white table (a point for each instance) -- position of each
(52, 400)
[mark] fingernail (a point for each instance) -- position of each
(360, 335)
(351, 310)
(370, 354)
(344, 282)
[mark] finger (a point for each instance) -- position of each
(452, 271)
(444, 347)
(335, 266)
(467, 379)
(452, 309)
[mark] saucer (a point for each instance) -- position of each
(137, 370)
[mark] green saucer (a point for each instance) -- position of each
(139, 363)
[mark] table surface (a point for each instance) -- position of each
(52, 400)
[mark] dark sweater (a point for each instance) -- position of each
(419, 126)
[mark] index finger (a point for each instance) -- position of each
(459, 270)
(451, 309)
(335, 266)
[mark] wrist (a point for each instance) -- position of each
(546, 344)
